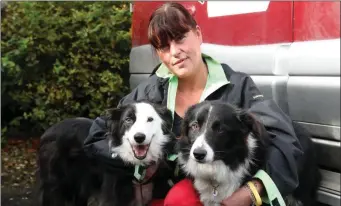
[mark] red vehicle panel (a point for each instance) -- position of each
(141, 13)
(271, 26)
(316, 20)
(280, 22)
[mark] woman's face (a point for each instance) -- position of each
(182, 57)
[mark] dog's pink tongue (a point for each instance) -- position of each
(140, 150)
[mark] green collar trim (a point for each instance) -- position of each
(273, 194)
(216, 79)
(163, 72)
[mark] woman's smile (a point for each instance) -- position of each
(180, 62)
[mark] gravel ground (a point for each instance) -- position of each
(18, 168)
(17, 196)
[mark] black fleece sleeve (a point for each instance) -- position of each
(96, 146)
(285, 150)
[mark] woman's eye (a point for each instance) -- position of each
(181, 39)
(164, 49)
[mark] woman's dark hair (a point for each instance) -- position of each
(169, 22)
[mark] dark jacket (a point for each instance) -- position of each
(232, 87)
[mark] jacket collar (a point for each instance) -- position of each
(216, 79)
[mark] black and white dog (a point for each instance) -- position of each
(222, 147)
(141, 136)
(138, 133)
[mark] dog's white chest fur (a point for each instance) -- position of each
(215, 175)
(206, 191)
(212, 192)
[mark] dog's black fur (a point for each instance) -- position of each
(68, 176)
(227, 130)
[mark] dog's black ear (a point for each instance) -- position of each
(250, 122)
(184, 128)
(253, 125)
(184, 124)
(113, 113)
(165, 114)
(112, 117)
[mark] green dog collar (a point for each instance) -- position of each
(172, 157)
(140, 172)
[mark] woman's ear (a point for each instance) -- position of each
(198, 33)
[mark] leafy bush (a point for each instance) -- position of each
(61, 59)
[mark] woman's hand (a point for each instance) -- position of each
(242, 197)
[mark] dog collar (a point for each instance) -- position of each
(172, 157)
(144, 174)
(140, 172)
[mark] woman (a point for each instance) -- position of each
(186, 77)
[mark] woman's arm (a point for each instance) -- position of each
(284, 152)
(242, 197)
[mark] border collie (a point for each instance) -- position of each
(141, 136)
(222, 147)
(138, 133)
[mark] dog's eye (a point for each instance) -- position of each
(194, 126)
(128, 120)
(150, 119)
(217, 127)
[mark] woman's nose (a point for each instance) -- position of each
(174, 49)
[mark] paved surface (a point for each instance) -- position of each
(16, 196)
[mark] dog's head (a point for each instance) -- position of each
(139, 132)
(216, 132)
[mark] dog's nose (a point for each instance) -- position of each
(199, 153)
(139, 137)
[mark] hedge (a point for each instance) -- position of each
(60, 60)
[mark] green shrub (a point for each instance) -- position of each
(61, 59)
